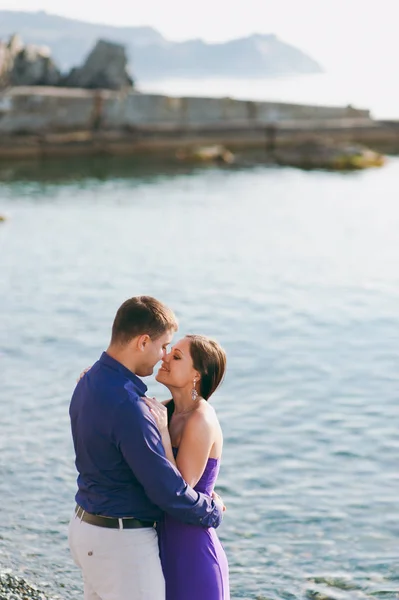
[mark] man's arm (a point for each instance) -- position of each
(139, 440)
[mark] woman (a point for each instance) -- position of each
(193, 560)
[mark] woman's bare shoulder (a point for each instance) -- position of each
(204, 415)
(203, 424)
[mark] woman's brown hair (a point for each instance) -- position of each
(209, 359)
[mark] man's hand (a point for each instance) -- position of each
(217, 499)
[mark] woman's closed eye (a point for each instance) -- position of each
(176, 357)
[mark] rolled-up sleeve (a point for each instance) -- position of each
(139, 440)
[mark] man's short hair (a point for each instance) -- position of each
(142, 315)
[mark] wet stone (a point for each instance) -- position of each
(16, 588)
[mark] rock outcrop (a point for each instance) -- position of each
(328, 154)
(8, 51)
(105, 68)
(211, 154)
(26, 65)
(30, 65)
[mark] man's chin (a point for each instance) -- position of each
(145, 372)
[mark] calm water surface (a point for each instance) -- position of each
(297, 275)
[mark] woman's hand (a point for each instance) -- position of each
(83, 373)
(218, 500)
(160, 414)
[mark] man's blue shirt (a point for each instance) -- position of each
(123, 470)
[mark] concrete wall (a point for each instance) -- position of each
(41, 110)
(22, 111)
(144, 110)
(41, 122)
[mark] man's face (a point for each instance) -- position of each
(154, 351)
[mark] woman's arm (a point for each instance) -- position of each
(195, 446)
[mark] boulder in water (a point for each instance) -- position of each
(216, 153)
(328, 154)
(105, 68)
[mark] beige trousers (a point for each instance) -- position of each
(117, 564)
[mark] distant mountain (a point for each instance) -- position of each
(154, 57)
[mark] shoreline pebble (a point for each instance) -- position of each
(13, 587)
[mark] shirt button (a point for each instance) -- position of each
(90, 553)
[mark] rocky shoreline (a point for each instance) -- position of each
(13, 587)
(106, 67)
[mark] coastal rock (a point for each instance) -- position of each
(15, 45)
(3, 61)
(26, 65)
(105, 68)
(327, 154)
(33, 65)
(8, 51)
(16, 588)
(216, 153)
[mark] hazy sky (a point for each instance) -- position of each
(338, 33)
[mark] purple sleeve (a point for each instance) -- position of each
(139, 440)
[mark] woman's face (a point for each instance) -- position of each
(177, 370)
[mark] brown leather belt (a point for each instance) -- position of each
(111, 522)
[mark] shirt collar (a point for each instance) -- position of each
(106, 359)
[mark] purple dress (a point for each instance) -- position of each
(193, 560)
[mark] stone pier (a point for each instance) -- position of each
(45, 121)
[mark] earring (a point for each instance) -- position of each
(194, 393)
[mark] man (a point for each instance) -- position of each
(125, 480)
